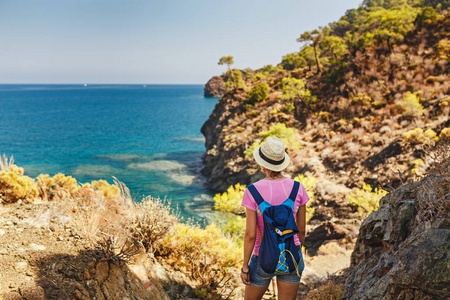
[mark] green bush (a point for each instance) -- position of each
(295, 90)
(269, 69)
(235, 227)
(365, 199)
(309, 182)
(235, 80)
(411, 105)
(258, 93)
(230, 201)
(427, 16)
(289, 107)
(292, 61)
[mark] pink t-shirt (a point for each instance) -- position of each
(273, 192)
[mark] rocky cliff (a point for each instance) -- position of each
(353, 128)
(402, 251)
(215, 87)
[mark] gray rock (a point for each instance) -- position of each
(398, 254)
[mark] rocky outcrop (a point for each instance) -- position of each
(221, 165)
(215, 87)
(402, 251)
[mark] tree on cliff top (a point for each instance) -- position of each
(312, 38)
(228, 60)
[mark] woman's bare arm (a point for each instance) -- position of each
(301, 223)
(249, 240)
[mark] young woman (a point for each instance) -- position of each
(275, 189)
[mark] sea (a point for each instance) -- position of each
(147, 136)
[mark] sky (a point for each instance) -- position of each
(150, 42)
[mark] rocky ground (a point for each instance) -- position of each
(42, 256)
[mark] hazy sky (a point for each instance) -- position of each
(146, 41)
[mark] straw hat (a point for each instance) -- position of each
(271, 155)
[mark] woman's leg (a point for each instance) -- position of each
(254, 292)
(287, 291)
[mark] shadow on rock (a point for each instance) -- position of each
(85, 276)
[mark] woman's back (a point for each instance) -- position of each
(274, 192)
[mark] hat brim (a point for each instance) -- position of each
(276, 168)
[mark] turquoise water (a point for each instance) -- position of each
(146, 136)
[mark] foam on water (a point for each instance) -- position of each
(158, 165)
(198, 139)
(183, 179)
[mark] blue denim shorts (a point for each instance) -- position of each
(260, 278)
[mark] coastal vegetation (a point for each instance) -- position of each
(116, 228)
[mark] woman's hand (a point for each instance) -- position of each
(245, 275)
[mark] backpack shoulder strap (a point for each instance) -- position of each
(256, 195)
(294, 191)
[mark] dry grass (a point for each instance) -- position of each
(330, 290)
(433, 199)
(5, 163)
(439, 158)
(150, 220)
(116, 250)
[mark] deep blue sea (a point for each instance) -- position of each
(148, 136)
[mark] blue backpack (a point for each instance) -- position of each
(278, 253)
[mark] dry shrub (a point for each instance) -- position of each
(434, 196)
(5, 163)
(116, 249)
(204, 255)
(440, 159)
(433, 199)
(57, 187)
(150, 220)
(14, 186)
(328, 291)
(94, 214)
(124, 199)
